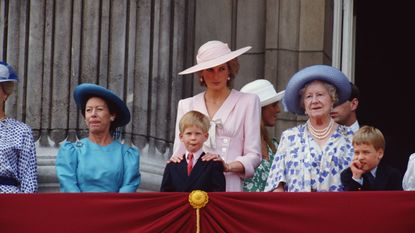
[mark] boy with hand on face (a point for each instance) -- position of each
(365, 172)
(192, 173)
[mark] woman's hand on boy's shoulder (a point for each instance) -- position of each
(175, 159)
(210, 156)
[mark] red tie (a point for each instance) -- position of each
(190, 164)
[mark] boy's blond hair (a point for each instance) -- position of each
(194, 118)
(370, 136)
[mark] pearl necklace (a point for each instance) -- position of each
(320, 133)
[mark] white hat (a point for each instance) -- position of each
(213, 53)
(265, 90)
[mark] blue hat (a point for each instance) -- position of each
(7, 73)
(86, 90)
(323, 73)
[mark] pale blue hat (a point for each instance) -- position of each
(323, 73)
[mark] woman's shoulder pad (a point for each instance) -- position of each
(68, 145)
(129, 148)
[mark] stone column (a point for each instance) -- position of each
(298, 34)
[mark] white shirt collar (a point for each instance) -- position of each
(196, 155)
(373, 171)
(355, 126)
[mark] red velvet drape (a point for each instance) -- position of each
(96, 212)
(378, 212)
(348, 212)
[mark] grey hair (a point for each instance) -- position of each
(330, 88)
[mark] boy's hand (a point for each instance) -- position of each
(356, 168)
(175, 159)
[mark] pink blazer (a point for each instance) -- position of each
(234, 134)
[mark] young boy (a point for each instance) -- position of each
(365, 173)
(192, 173)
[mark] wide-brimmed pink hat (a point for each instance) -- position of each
(213, 53)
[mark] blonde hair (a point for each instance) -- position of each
(194, 118)
(370, 136)
(233, 66)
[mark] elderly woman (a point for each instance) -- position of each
(234, 135)
(18, 171)
(98, 163)
(269, 99)
(311, 156)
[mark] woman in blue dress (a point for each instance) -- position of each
(99, 163)
(311, 156)
(18, 173)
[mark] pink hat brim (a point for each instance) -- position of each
(216, 61)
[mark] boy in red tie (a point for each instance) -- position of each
(192, 173)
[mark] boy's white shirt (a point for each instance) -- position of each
(196, 156)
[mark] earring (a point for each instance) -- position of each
(201, 80)
(112, 118)
(229, 78)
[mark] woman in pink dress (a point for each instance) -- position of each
(234, 135)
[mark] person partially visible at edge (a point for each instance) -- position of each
(18, 163)
(408, 182)
(269, 99)
(234, 135)
(366, 173)
(311, 156)
(99, 163)
(345, 113)
(193, 173)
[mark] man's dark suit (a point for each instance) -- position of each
(206, 175)
(387, 178)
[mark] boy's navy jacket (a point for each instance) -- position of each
(206, 175)
(387, 178)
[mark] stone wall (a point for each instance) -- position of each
(136, 48)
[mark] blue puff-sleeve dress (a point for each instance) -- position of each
(84, 166)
